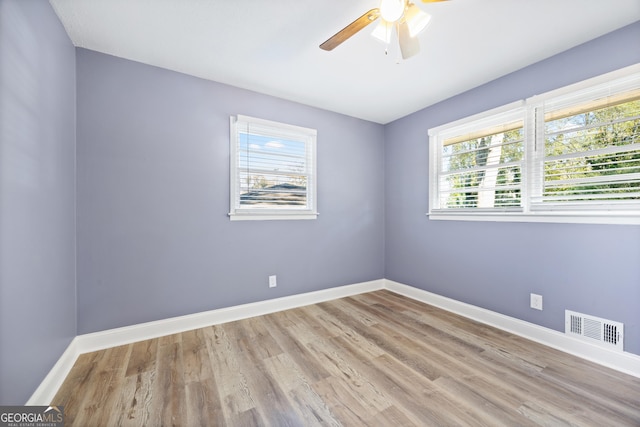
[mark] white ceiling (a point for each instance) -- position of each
(272, 46)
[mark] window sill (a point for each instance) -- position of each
(575, 218)
(246, 216)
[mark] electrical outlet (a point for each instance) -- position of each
(536, 301)
(272, 281)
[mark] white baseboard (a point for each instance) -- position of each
(144, 331)
(626, 362)
(621, 361)
(48, 388)
(120, 336)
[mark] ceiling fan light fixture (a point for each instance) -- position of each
(417, 20)
(391, 10)
(383, 31)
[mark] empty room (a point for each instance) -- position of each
(364, 213)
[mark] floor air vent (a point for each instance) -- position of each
(605, 333)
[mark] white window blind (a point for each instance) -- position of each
(483, 169)
(272, 170)
(588, 150)
(479, 163)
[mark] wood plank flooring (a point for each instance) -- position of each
(376, 359)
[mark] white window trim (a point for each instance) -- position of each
(297, 132)
(529, 106)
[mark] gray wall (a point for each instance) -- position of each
(154, 238)
(37, 195)
(594, 269)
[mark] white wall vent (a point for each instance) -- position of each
(605, 333)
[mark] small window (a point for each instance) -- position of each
(273, 170)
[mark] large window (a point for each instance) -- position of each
(569, 155)
(273, 170)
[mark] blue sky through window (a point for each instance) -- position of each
(272, 171)
(268, 154)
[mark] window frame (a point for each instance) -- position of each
(271, 129)
(532, 109)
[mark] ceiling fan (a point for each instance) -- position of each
(403, 15)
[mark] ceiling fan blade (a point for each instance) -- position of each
(409, 46)
(351, 29)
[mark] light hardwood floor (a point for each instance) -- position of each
(376, 359)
